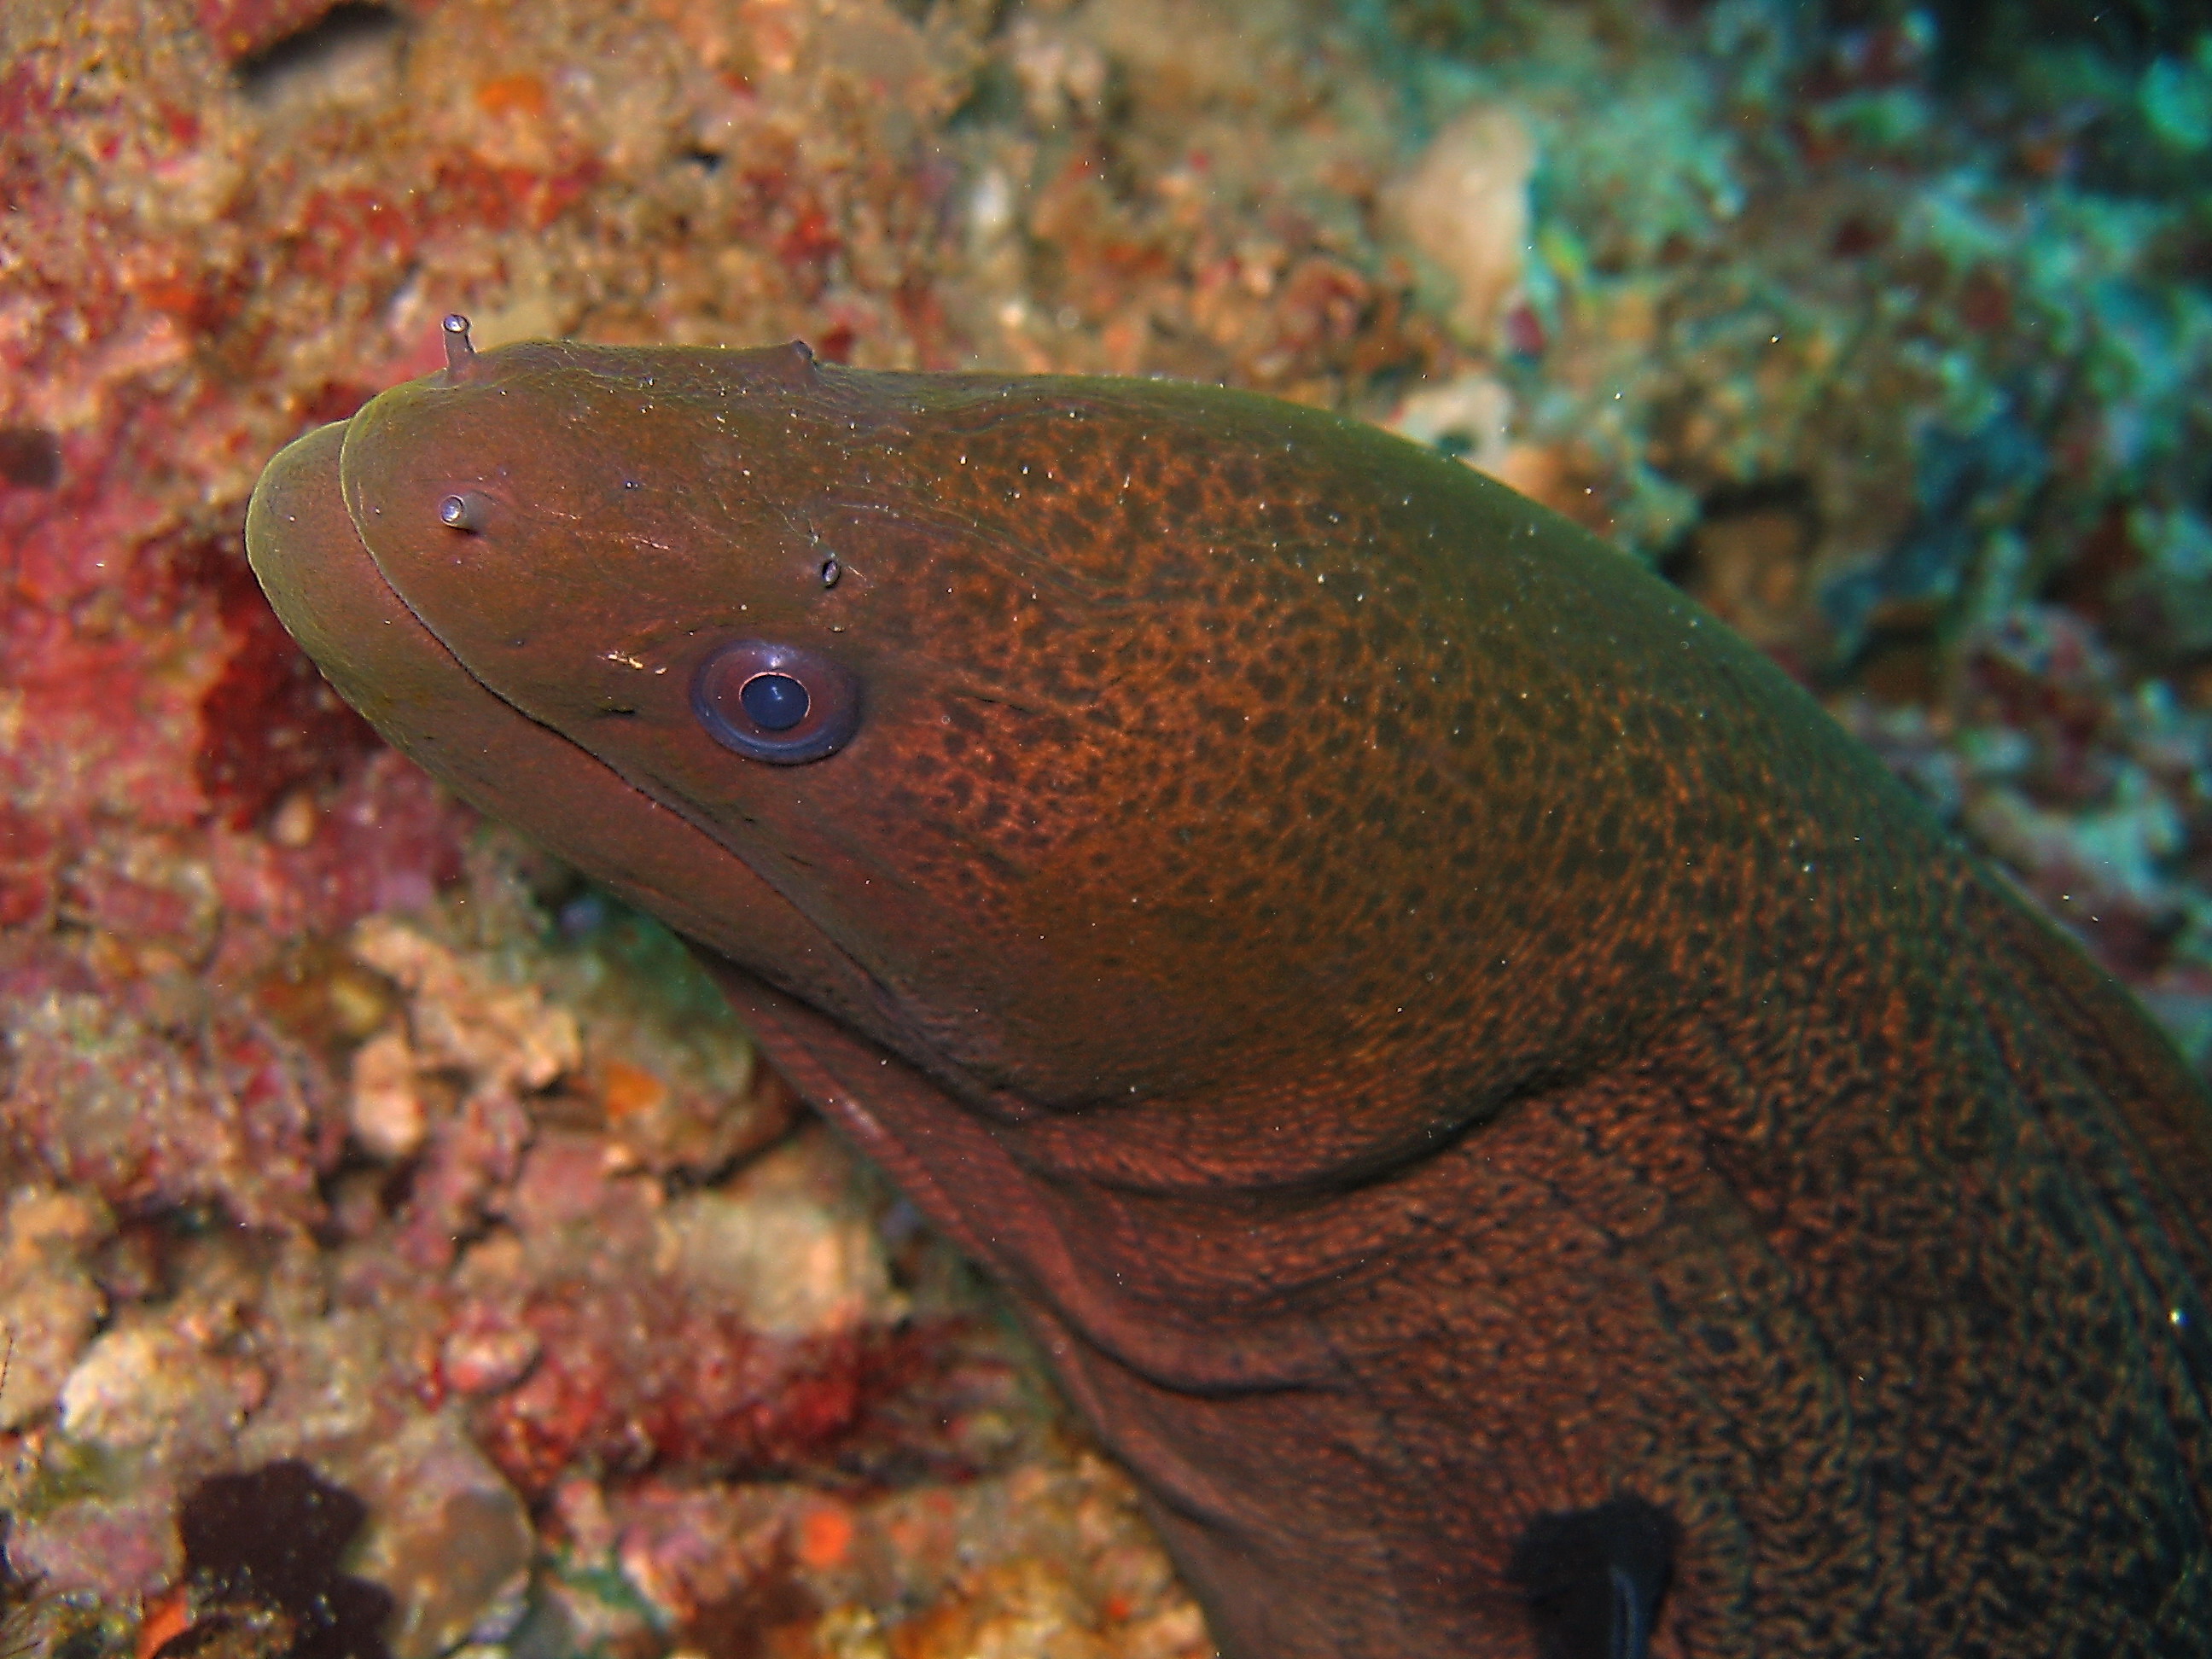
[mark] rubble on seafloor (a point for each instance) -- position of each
(400, 1249)
(574, 1287)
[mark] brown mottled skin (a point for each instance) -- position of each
(1482, 1089)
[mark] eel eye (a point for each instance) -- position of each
(779, 703)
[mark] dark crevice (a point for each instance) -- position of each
(340, 30)
(30, 458)
(262, 1553)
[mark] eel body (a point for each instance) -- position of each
(1522, 1136)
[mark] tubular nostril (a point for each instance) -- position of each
(460, 350)
(468, 512)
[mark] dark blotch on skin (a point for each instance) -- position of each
(1594, 1578)
(1435, 1033)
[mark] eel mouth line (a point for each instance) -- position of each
(383, 658)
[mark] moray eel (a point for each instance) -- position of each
(1520, 1134)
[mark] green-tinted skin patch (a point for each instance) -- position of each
(1434, 1031)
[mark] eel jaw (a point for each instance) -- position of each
(327, 590)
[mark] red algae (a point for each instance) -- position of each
(271, 724)
(701, 1391)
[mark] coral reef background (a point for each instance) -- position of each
(400, 1248)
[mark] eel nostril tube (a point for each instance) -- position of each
(460, 350)
(468, 512)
